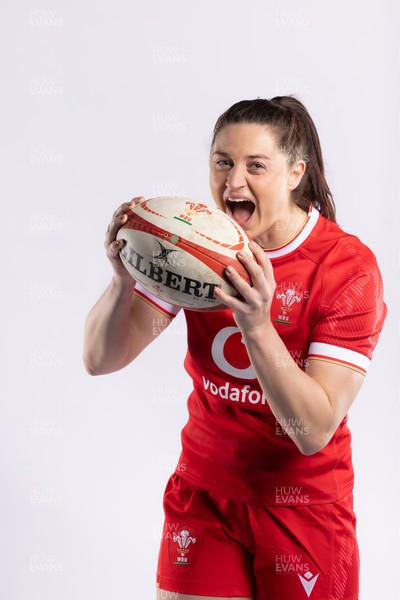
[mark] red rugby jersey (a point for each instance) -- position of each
(327, 305)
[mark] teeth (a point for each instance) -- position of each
(239, 200)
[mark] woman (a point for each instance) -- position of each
(260, 505)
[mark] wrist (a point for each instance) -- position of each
(258, 335)
(123, 286)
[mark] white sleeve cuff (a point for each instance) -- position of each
(336, 354)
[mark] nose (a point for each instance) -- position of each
(235, 178)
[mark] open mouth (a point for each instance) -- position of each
(241, 209)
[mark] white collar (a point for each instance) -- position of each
(300, 237)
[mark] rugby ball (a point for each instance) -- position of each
(178, 249)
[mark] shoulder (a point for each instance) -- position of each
(348, 291)
(339, 252)
(346, 271)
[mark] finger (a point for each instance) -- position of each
(261, 258)
(113, 228)
(114, 249)
(229, 301)
(119, 218)
(260, 269)
(128, 206)
(255, 271)
(238, 282)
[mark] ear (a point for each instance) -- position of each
(295, 174)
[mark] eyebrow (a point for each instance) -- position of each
(251, 156)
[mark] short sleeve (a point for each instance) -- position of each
(350, 322)
(171, 310)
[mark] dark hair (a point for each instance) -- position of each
(297, 138)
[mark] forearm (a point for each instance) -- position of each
(298, 402)
(107, 340)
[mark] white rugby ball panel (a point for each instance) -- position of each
(179, 249)
(191, 220)
(170, 274)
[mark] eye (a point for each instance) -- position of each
(223, 163)
(257, 166)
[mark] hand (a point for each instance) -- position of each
(252, 310)
(113, 246)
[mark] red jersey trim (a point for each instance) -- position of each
(167, 309)
(343, 356)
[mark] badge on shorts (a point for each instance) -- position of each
(184, 545)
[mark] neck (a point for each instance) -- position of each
(283, 229)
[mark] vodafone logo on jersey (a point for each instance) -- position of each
(230, 356)
(227, 391)
(217, 352)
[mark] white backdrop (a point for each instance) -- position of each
(104, 101)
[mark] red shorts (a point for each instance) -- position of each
(214, 546)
